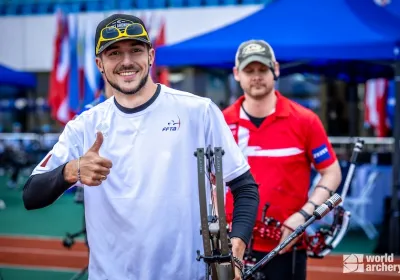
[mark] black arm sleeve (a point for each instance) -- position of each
(246, 199)
(41, 190)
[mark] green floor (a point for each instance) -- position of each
(61, 217)
(25, 274)
(67, 216)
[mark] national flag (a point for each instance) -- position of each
(92, 77)
(160, 74)
(375, 105)
(74, 87)
(58, 89)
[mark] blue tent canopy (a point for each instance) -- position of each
(297, 30)
(10, 77)
(393, 7)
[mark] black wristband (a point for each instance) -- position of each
(313, 204)
(305, 214)
(325, 188)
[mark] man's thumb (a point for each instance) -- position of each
(97, 144)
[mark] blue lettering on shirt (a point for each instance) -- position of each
(321, 154)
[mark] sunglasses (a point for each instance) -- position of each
(111, 33)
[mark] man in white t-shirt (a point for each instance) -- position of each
(133, 154)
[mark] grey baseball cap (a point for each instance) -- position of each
(254, 50)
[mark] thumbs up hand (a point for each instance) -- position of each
(97, 143)
(93, 168)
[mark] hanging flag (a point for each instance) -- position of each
(375, 106)
(75, 80)
(54, 98)
(81, 62)
(157, 32)
(58, 88)
(162, 74)
(74, 87)
(92, 76)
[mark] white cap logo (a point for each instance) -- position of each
(253, 48)
(119, 23)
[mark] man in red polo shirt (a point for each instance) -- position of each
(281, 140)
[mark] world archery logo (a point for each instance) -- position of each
(173, 125)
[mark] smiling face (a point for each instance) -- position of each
(257, 79)
(126, 65)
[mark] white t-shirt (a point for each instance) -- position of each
(143, 222)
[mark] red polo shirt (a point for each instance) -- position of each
(280, 153)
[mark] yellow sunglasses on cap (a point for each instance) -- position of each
(111, 33)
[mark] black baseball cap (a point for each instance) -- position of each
(120, 21)
(254, 50)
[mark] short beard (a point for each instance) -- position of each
(142, 83)
(259, 97)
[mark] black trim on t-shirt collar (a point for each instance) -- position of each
(140, 107)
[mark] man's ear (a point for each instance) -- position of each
(99, 64)
(276, 69)
(152, 54)
(236, 74)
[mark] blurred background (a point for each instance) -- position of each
(338, 57)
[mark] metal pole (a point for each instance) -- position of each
(395, 215)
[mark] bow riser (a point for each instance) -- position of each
(214, 229)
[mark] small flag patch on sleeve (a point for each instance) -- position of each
(44, 163)
(321, 154)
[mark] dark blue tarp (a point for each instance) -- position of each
(10, 77)
(297, 30)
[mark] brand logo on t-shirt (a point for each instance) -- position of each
(321, 154)
(173, 125)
